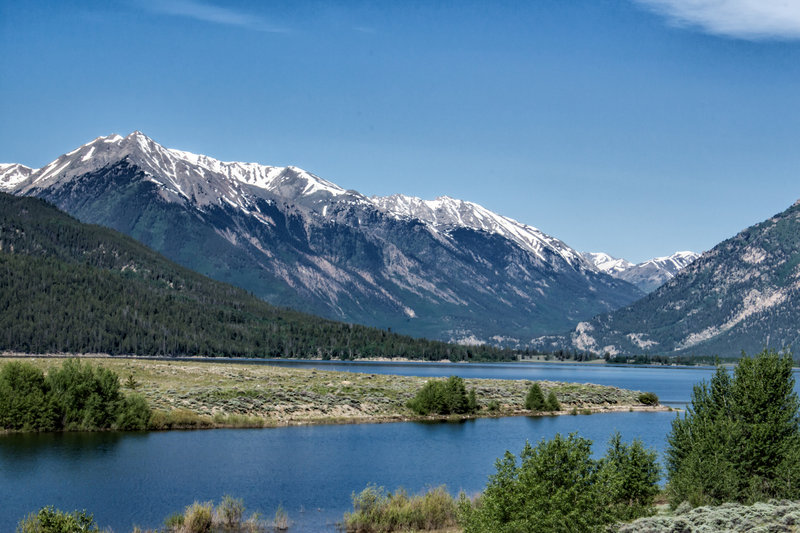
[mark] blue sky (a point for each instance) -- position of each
(635, 127)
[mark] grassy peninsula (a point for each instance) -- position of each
(203, 394)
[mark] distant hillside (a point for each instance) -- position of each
(66, 286)
(744, 294)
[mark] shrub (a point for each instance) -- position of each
(443, 398)
(534, 401)
(281, 522)
(551, 404)
(197, 518)
(50, 520)
(559, 487)
(25, 400)
(230, 511)
(632, 478)
(134, 414)
(174, 521)
(88, 397)
(740, 437)
(648, 398)
(376, 511)
(76, 396)
(493, 406)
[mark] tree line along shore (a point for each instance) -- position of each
(202, 394)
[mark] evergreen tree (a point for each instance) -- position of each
(558, 487)
(534, 401)
(551, 404)
(740, 438)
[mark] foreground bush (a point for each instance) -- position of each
(376, 511)
(739, 440)
(558, 487)
(444, 398)
(76, 396)
(774, 516)
(50, 520)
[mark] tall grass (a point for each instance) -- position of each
(226, 517)
(376, 511)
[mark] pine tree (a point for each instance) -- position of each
(740, 438)
(534, 401)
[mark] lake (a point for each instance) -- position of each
(140, 478)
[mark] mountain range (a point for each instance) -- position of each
(649, 275)
(445, 269)
(743, 294)
(70, 287)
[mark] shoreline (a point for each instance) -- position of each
(203, 394)
(394, 360)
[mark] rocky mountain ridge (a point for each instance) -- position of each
(446, 269)
(743, 294)
(647, 275)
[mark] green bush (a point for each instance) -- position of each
(75, 396)
(197, 518)
(632, 476)
(739, 440)
(174, 522)
(444, 398)
(25, 400)
(648, 398)
(50, 520)
(551, 404)
(87, 396)
(376, 511)
(230, 511)
(559, 487)
(134, 414)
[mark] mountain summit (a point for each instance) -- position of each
(648, 275)
(445, 269)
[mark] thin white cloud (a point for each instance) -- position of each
(741, 19)
(211, 13)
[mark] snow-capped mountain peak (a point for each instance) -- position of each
(606, 263)
(181, 175)
(446, 213)
(12, 174)
(647, 275)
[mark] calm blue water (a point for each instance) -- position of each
(128, 479)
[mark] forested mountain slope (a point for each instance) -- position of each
(66, 286)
